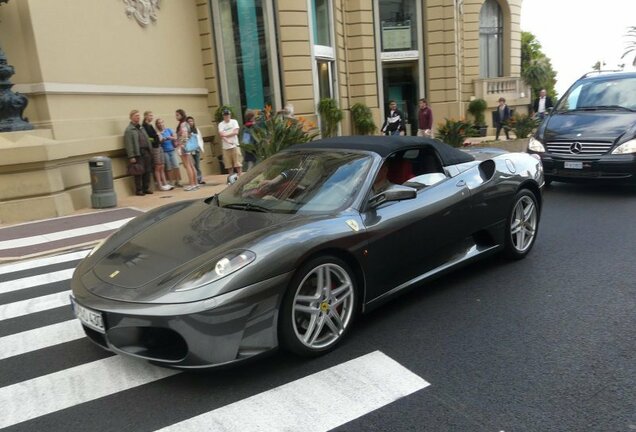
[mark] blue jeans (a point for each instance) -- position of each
(196, 156)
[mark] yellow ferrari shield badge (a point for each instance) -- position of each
(353, 225)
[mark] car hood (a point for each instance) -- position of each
(603, 126)
(172, 247)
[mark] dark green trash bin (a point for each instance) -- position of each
(101, 171)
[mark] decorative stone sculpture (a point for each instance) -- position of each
(12, 104)
(144, 11)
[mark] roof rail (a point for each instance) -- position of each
(596, 72)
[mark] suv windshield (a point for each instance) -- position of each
(291, 182)
(613, 93)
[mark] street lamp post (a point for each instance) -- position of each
(12, 104)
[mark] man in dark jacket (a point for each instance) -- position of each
(394, 123)
(501, 118)
(137, 144)
(542, 104)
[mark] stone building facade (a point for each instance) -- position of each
(84, 64)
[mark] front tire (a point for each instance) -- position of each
(319, 307)
(522, 225)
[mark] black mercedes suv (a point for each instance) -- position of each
(591, 132)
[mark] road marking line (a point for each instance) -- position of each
(33, 305)
(43, 337)
(61, 235)
(41, 262)
(319, 402)
(49, 393)
(34, 281)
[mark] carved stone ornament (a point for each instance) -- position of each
(144, 11)
(12, 104)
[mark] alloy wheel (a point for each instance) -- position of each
(323, 306)
(523, 226)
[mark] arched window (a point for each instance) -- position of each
(490, 40)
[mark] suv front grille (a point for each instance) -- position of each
(582, 149)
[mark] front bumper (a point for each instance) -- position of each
(211, 332)
(606, 168)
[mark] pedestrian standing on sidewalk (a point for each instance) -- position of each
(228, 131)
(394, 122)
(183, 134)
(137, 144)
(171, 158)
(246, 138)
(197, 155)
(501, 117)
(542, 105)
(424, 120)
(157, 152)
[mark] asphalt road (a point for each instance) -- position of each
(542, 344)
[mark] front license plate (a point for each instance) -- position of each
(88, 317)
(573, 165)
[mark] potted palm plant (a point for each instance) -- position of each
(476, 108)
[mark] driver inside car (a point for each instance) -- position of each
(381, 182)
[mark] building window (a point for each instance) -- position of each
(398, 25)
(324, 53)
(325, 88)
(246, 46)
(321, 22)
(491, 40)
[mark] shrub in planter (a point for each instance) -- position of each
(476, 108)
(362, 119)
(523, 125)
(330, 116)
(273, 132)
(454, 132)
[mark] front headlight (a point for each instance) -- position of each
(625, 148)
(535, 145)
(216, 270)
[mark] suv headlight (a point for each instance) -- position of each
(535, 145)
(216, 270)
(625, 148)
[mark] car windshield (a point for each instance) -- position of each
(600, 94)
(295, 181)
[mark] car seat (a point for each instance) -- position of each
(400, 170)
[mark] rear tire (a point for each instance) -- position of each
(319, 307)
(522, 225)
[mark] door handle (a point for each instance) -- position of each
(461, 183)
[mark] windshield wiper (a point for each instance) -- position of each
(247, 207)
(604, 107)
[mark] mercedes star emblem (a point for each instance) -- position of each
(576, 148)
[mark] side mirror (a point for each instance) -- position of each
(394, 193)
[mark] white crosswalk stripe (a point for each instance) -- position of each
(40, 338)
(69, 387)
(37, 280)
(318, 402)
(33, 305)
(315, 403)
(41, 262)
(60, 235)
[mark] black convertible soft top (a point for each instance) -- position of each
(386, 145)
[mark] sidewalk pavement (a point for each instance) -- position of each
(88, 226)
